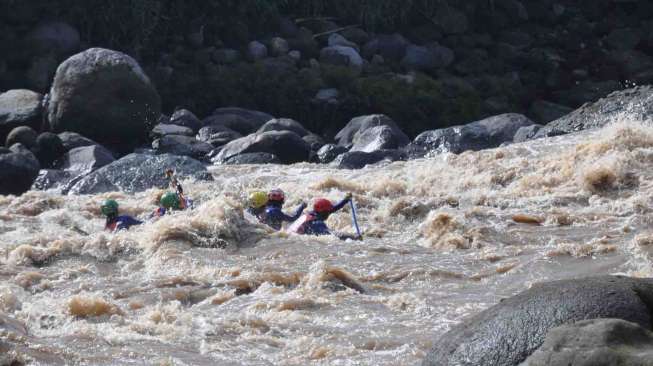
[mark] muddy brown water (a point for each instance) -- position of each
(445, 238)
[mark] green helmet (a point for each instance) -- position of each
(170, 200)
(109, 207)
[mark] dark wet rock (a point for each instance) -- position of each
(288, 28)
(19, 107)
(243, 121)
(634, 65)
(423, 58)
(85, 159)
(484, 134)
(279, 46)
(586, 91)
(336, 39)
(329, 152)
(18, 170)
(356, 35)
(56, 38)
(181, 145)
(286, 145)
(284, 124)
(226, 56)
(51, 178)
(342, 56)
(71, 140)
(217, 135)
(378, 138)
(329, 95)
(104, 95)
(390, 46)
(544, 112)
(596, 342)
(256, 51)
(358, 125)
(526, 133)
(637, 102)
(49, 148)
(161, 130)
(507, 333)
(314, 141)
(253, 158)
(140, 172)
(24, 135)
(186, 118)
(359, 159)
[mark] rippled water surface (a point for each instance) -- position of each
(445, 238)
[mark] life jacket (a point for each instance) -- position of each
(300, 226)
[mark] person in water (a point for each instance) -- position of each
(315, 221)
(114, 222)
(256, 204)
(274, 215)
(170, 201)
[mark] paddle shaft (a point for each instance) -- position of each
(353, 217)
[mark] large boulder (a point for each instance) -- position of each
(358, 125)
(20, 107)
(342, 56)
(186, 118)
(596, 342)
(484, 134)
(253, 158)
(336, 39)
(284, 124)
(217, 135)
(243, 121)
(329, 152)
(24, 135)
(637, 102)
(161, 130)
(360, 159)
(314, 141)
(71, 140)
(390, 46)
(526, 133)
(86, 159)
(378, 138)
(256, 51)
(181, 145)
(544, 112)
(422, 58)
(139, 172)
(18, 170)
(507, 333)
(48, 149)
(286, 145)
(279, 46)
(104, 95)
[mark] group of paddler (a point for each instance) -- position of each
(265, 207)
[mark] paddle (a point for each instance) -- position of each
(354, 221)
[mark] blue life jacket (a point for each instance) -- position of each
(274, 216)
(315, 224)
(121, 223)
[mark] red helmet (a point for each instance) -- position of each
(276, 195)
(322, 205)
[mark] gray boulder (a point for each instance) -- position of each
(421, 58)
(279, 46)
(19, 107)
(314, 141)
(390, 46)
(637, 101)
(526, 133)
(139, 172)
(286, 145)
(507, 333)
(181, 145)
(104, 95)
(596, 342)
(51, 178)
(217, 135)
(378, 138)
(484, 134)
(358, 125)
(18, 170)
(253, 158)
(71, 140)
(336, 39)
(284, 124)
(329, 96)
(86, 159)
(256, 51)
(161, 130)
(329, 152)
(48, 149)
(24, 135)
(186, 118)
(243, 121)
(360, 159)
(342, 56)
(544, 112)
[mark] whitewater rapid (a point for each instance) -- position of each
(445, 237)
